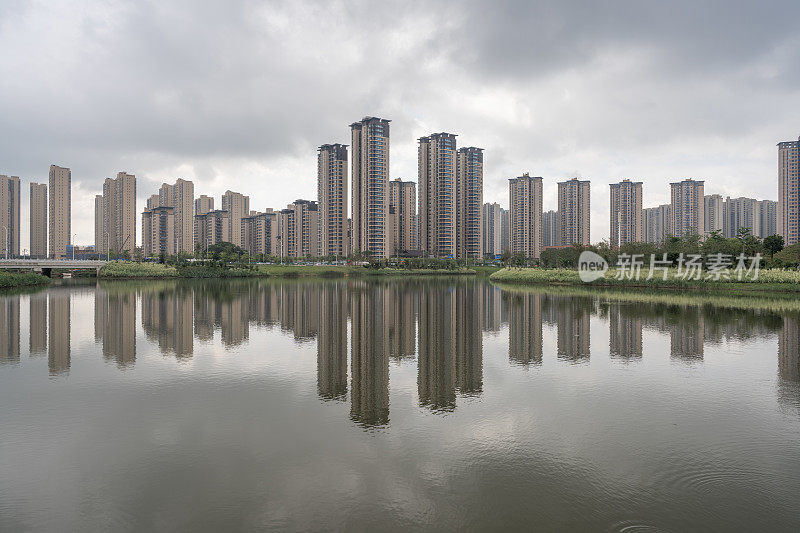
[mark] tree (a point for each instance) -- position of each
(773, 244)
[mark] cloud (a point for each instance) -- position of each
(239, 94)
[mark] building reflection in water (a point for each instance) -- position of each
(493, 312)
(789, 361)
(624, 332)
(369, 355)
(469, 340)
(402, 306)
(115, 324)
(38, 324)
(167, 319)
(9, 329)
(58, 348)
(687, 335)
(332, 343)
(573, 319)
(525, 328)
(299, 309)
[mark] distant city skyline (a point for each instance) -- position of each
(645, 94)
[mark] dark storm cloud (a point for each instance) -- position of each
(239, 94)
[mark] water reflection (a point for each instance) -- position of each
(440, 327)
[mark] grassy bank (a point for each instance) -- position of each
(10, 280)
(770, 301)
(768, 280)
(132, 270)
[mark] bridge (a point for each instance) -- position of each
(46, 266)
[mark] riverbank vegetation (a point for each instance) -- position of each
(767, 279)
(10, 280)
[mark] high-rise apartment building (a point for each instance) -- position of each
(573, 211)
(38, 220)
(687, 208)
(60, 211)
(9, 216)
(626, 212)
(203, 205)
(738, 213)
(119, 214)
(789, 191)
(158, 231)
(437, 194)
(766, 218)
(100, 239)
(211, 228)
(332, 199)
(238, 206)
(492, 229)
(370, 186)
(403, 215)
(469, 201)
(550, 229)
(505, 230)
(525, 200)
(180, 195)
(260, 233)
(299, 229)
(713, 213)
(656, 223)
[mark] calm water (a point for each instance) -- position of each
(358, 404)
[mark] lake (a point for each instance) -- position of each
(393, 404)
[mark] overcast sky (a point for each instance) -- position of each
(239, 94)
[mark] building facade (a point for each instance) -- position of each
(299, 229)
(550, 229)
(766, 218)
(469, 201)
(38, 220)
(370, 186)
(687, 208)
(211, 228)
(237, 206)
(9, 216)
(492, 229)
(403, 215)
(203, 205)
(626, 212)
(525, 201)
(59, 216)
(180, 195)
(332, 199)
(119, 215)
(573, 212)
(158, 231)
(738, 213)
(260, 233)
(656, 223)
(437, 194)
(789, 191)
(713, 213)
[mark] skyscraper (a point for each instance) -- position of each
(738, 213)
(437, 194)
(687, 208)
(550, 229)
(403, 215)
(766, 218)
(158, 231)
(299, 229)
(38, 220)
(656, 223)
(238, 206)
(469, 200)
(573, 211)
(789, 191)
(626, 212)
(492, 229)
(211, 228)
(370, 186)
(60, 211)
(100, 239)
(525, 199)
(261, 233)
(713, 211)
(332, 199)
(180, 195)
(203, 205)
(9, 216)
(119, 206)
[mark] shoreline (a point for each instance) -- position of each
(17, 280)
(773, 281)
